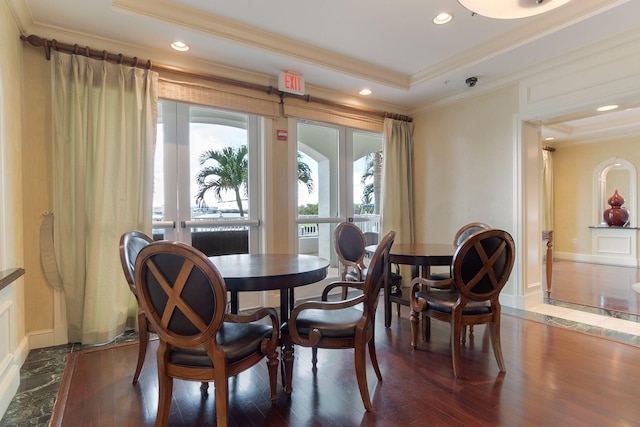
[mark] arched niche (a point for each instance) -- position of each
(616, 170)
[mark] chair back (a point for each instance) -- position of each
(378, 272)
(182, 293)
(482, 265)
(468, 230)
(131, 243)
(349, 242)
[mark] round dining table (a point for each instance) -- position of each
(266, 272)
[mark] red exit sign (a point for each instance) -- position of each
(291, 82)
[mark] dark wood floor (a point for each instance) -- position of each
(555, 377)
(594, 285)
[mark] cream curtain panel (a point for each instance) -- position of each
(104, 119)
(397, 185)
(547, 190)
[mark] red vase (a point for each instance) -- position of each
(616, 216)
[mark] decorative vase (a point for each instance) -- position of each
(616, 215)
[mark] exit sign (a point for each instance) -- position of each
(291, 82)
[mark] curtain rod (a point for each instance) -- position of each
(548, 148)
(75, 49)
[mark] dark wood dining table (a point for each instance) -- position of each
(265, 272)
(421, 257)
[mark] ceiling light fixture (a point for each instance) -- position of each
(442, 18)
(549, 138)
(607, 107)
(180, 46)
(365, 92)
(511, 9)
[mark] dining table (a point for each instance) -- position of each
(265, 272)
(421, 257)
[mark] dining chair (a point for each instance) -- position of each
(460, 236)
(350, 242)
(341, 324)
(185, 298)
(131, 243)
(481, 267)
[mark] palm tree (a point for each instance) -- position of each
(373, 169)
(229, 174)
(304, 173)
(232, 173)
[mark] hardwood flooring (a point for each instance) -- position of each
(594, 285)
(555, 377)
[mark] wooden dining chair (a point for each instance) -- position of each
(131, 243)
(185, 299)
(350, 242)
(461, 235)
(481, 267)
(342, 324)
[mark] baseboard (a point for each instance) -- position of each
(597, 259)
(10, 376)
(47, 337)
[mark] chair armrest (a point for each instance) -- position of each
(314, 334)
(341, 284)
(418, 284)
(260, 314)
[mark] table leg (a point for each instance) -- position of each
(234, 302)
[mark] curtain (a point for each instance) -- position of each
(397, 185)
(547, 190)
(104, 119)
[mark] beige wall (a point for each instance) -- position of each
(464, 162)
(13, 348)
(573, 168)
(37, 184)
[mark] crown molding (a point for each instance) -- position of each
(536, 28)
(207, 23)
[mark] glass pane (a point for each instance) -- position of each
(367, 173)
(318, 187)
(318, 150)
(218, 180)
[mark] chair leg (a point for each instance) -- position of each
(456, 329)
(287, 363)
(222, 397)
(374, 358)
(415, 324)
(143, 340)
(497, 345)
(314, 359)
(360, 356)
(165, 389)
(272, 366)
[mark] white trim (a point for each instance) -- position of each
(597, 259)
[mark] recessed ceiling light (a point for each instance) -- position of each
(607, 107)
(442, 18)
(549, 138)
(365, 92)
(180, 46)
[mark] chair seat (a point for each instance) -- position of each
(238, 340)
(331, 323)
(444, 300)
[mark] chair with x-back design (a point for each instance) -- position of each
(185, 298)
(131, 243)
(481, 267)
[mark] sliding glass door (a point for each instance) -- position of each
(206, 172)
(339, 177)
